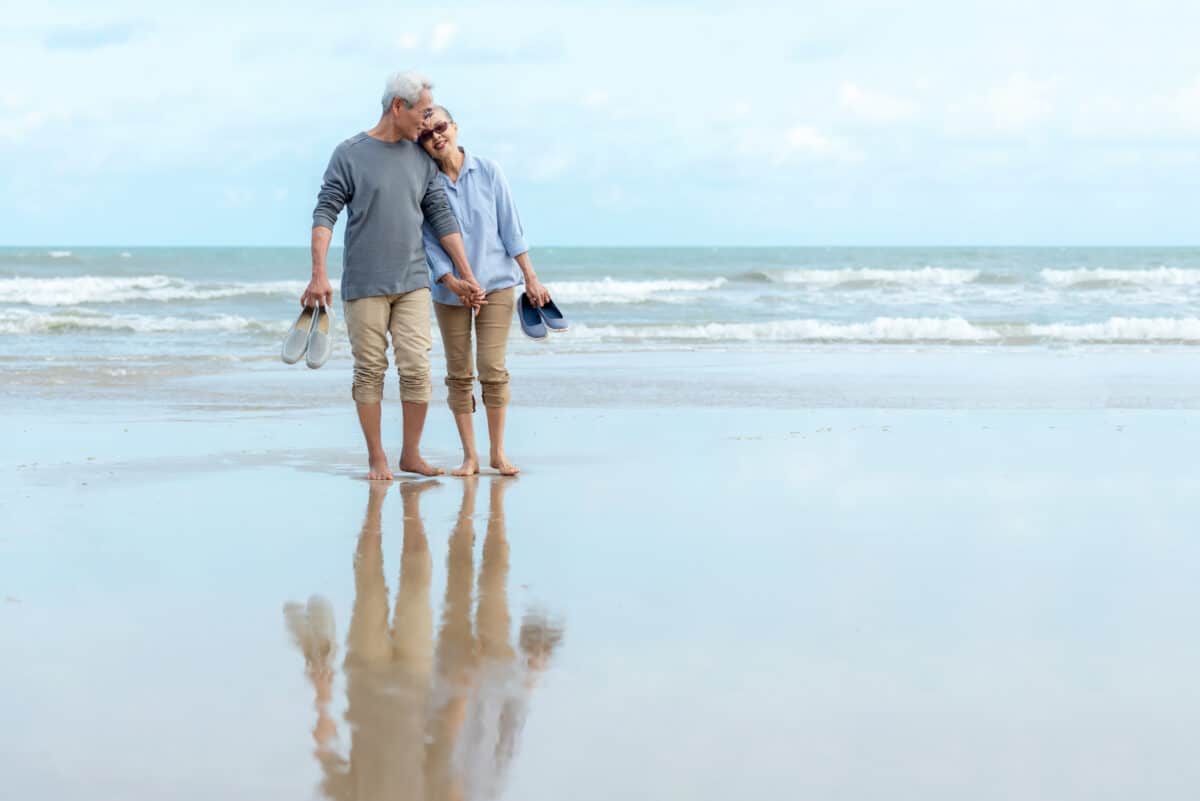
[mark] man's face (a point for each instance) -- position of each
(410, 121)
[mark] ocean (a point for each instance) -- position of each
(71, 313)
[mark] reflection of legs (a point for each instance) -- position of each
(492, 618)
(412, 644)
(367, 642)
(455, 324)
(369, 677)
(455, 650)
(412, 622)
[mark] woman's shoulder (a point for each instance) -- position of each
(489, 166)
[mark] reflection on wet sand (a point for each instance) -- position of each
(429, 718)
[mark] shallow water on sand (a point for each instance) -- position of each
(850, 603)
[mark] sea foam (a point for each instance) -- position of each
(609, 290)
(1101, 277)
(85, 289)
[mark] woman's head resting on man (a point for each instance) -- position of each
(440, 135)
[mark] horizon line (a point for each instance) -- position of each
(819, 246)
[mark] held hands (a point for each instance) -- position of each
(318, 292)
(468, 291)
(538, 294)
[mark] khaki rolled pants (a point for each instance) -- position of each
(405, 317)
(492, 324)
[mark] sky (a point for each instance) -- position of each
(860, 122)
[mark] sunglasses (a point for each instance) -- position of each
(428, 133)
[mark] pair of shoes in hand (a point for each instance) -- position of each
(309, 337)
(538, 322)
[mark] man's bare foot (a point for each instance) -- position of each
(501, 463)
(469, 467)
(378, 469)
(415, 464)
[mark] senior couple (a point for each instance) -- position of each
(425, 219)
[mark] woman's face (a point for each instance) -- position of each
(440, 135)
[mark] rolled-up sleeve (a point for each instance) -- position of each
(435, 256)
(512, 233)
(436, 208)
(336, 191)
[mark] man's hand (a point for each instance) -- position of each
(319, 292)
(469, 292)
(538, 294)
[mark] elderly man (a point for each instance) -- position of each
(389, 186)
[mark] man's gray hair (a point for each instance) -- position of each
(407, 86)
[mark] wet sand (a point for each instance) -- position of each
(692, 603)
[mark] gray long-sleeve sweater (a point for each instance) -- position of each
(388, 190)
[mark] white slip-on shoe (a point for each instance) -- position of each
(320, 341)
(296, 341)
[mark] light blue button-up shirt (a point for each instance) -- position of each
(491, 229)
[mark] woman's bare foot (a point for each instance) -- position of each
(415, 464)
(501, 463)
(469, 467)
(378, 469)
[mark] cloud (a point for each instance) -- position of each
(1184, 105)
(596, 99)
(815, 51)
(92, 37)
(874, 107)
(550, 165)
(447, 44)
(477, 51)
(20, 119)
(1019, 101)
(237, 197)
(19, 126)
(807, 142)
(443, 34)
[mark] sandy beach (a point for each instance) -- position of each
(752, 602)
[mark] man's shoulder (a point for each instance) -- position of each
(352, 142)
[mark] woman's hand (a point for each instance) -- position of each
(538, 294)
(469, 292)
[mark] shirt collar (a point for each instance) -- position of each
(469, 163)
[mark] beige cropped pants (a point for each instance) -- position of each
(405, 318)
(491, 325)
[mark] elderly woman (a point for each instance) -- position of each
(484, 300)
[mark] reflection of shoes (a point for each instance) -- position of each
(296, 341)
(313, 631)
(531, 320)
(320, 343)
(552, 317)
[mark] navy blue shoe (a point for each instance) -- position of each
(552, 317)
(531, 320)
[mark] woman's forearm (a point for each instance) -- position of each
(526, 266)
